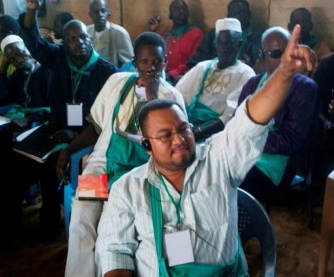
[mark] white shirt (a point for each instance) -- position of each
(222, 87)
(14, 7)
(113, 43)
(102, 112)
(209, 203)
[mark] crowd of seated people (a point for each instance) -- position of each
(207, 121)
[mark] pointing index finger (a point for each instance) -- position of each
(293, 41)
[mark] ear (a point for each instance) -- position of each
(170, 16)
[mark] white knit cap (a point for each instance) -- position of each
(231, 24)
(8, 40)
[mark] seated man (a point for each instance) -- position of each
(294, 121)
(29, 85)
(188, 196)
(110, 40)
(78, 74)
(182, 40)
(211, 89)
(251, 37)
(8, 26)
(303, 17)
(115, 130)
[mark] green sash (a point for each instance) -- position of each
(271, 165)
(198, 112)
(123, 154)
(234, 268)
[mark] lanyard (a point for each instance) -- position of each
(75, 79)
(177, 205)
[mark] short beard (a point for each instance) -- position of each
(172, 166)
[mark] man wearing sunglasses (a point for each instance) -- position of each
(294, 122)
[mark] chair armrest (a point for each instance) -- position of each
(74, 168)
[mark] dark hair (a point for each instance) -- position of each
(9, 25)
(302, 10)
(148, 38)
(243, 2)
(156, 104)
(64, 17)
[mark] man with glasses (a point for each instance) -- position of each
(294, 122)
(115, 131)
(177, 214)
(110, 40)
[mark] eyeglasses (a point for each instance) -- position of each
(169, 135)
(274, 54)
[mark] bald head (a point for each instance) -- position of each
(99, 13)
(77, 42)
(178, 12)
(274, 41)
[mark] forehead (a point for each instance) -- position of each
(177, 5)
(75, 29)
(165, 118)
(238, 7)
(275, 41)
(97, 5)
(300, 15)
(226, 35)
(149, 50)
(13, 47)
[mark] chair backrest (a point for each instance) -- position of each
(253, 221)
(70, 189)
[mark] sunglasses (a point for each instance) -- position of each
(274, 54)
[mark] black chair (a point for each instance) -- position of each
(253, 221)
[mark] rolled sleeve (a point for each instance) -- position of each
(116, 242)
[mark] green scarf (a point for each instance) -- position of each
(77, 73)
(180, 30)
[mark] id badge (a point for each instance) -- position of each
(74, 114)
(179, 248)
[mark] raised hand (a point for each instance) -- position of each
(154, 23)
(296, 56)
(34, 4)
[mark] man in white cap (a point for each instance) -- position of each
(177, 214)
(29, 84)
(211, 89)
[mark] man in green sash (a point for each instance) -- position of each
(211, 89)
(187, 197)
(115, 130)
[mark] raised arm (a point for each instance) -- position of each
(263, 105)
(31, 14)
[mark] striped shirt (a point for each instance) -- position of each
(208, 205)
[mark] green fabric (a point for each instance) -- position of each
(273, 166)
(18, 112)
(180, 30)
(77, 73)
(234, 268)
(198, 112)
(123, 154)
